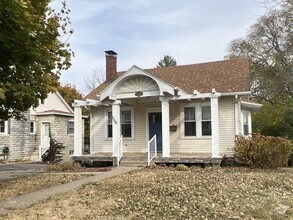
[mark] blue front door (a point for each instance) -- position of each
(155, 128)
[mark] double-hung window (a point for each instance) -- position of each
(32, 127)
(109, 125)
(206, 123)
(70, 127)
(2, 127)
(245, 122)
(189, 122)
(196, 120)
(126, 124)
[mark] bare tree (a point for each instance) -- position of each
(93, 80)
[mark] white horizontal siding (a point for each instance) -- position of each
(177, 144)
(226, 124)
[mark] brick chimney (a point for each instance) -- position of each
(111, 65)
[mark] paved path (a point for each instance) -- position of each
(20, 169)
(29, 199)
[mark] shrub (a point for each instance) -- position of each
(263, 151)
(181, 167)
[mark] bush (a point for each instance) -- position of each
(181, 167)
(263, 151)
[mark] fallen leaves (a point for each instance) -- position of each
(208, 193)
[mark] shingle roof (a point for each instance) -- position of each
(225, 76)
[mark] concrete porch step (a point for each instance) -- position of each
(135, 160)
(133, 163)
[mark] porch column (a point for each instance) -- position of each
(116, 124)
(77, 131)
(165, 127)
(215, 125)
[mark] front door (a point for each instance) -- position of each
(155, 128)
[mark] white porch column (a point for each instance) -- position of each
(77, 131)
(165, 127)
(215, 125)
(116, 124)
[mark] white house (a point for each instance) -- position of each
(28, 139)
(190, 109)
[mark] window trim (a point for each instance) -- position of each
(202, 120)
(5, 128)
(70, 121)
(198, 118)
(124, 108)
(34, 127)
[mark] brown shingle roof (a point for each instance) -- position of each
(225, 76)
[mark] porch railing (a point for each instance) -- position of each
(44, 146)
(152, 149)
(118, 151)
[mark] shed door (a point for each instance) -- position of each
(155, 127)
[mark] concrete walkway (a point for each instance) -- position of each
(23, 201)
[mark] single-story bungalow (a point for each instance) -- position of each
(188, 109)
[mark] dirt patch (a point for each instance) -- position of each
(167, 194)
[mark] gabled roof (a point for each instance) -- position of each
(225, 76)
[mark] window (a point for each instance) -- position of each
(109, 124)
(70, 127)
(206, 123)
(245, 123)
(189, 122)
(42, 101)
(2, 127)
(126, 123)
(32, 127)
(196, 120)
(126, 120)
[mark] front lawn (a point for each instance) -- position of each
(223, 193)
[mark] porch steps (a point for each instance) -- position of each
(134, 160)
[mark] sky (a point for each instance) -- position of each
(143, 31)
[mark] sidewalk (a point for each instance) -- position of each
(29, 199)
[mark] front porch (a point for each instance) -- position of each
(141, 159)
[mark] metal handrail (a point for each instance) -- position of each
(118, 151)
(152, 148)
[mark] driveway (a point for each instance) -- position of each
(20, 169)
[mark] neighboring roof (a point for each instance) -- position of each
(225, 76)
(55, 112)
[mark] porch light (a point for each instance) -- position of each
(138, 94)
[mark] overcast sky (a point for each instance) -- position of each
(143, 31)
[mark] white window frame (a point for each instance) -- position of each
(5, 128)
(70, 121)
(131, 109)
(248, 112)
(198, 120)
(206, 120)
(34, 127)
